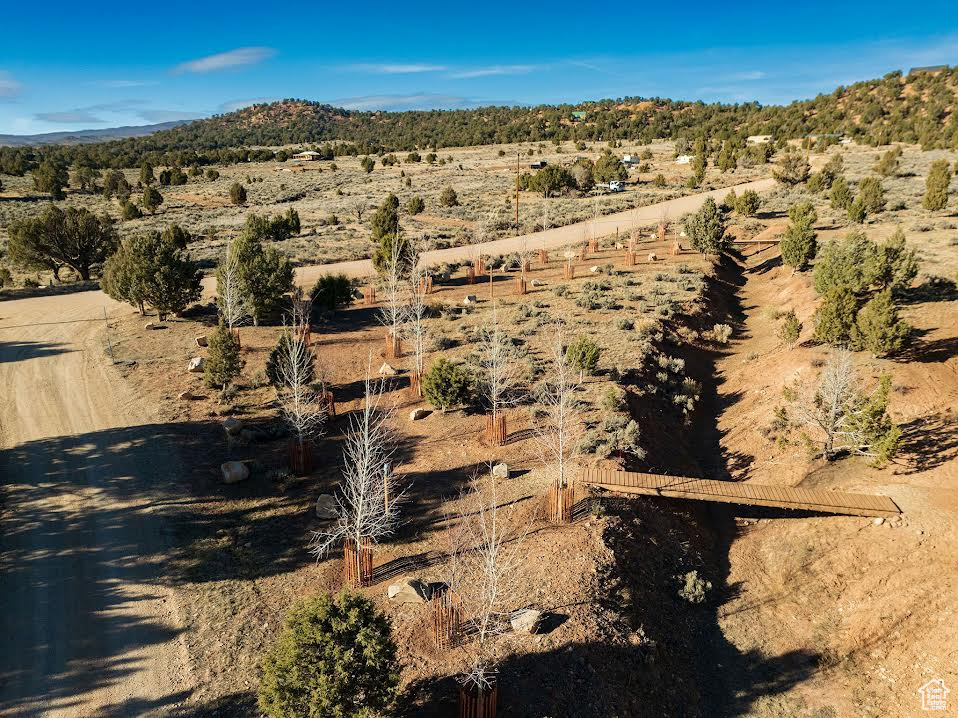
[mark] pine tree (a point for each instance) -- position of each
(334, 657)
(798, 244)
(841, 194)
(872, 195)
(877, 327)
(237, 194)
(706, 228)
(223, 364)
(790, 328)
(835, 316)
(936, 186)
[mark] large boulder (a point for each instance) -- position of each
(327, 508)
(417, 414)
(500, 471)
(196, 365)
(387, 370)
(234, 472)
(232, 426)
(470, 299)
(526, 621)
(409, 590)
(201, 341)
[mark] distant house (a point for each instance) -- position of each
(538, 165)
(759, 139)
(630, 159)
(927, 70)
(579, 115)
(307, 156)
(683, 159)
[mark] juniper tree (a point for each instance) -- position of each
(878, 328)
(936, 186)
(223, 362)
(57, 238)
(798, 243)
(706, 228)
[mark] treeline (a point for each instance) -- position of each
(914, 109)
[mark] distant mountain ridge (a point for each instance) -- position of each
(74, 137)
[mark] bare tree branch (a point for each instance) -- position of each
(368, 499)
(557, 418)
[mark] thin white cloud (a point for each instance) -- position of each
(395, 68)
(120, 84)
(225, 60)
(747, 76)
(69, 117)
(9, 87)
(415, 101)
(493, 70)
(155, 116)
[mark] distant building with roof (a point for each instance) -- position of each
(927, 70)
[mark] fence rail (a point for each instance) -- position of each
(683, 487)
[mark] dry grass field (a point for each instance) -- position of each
(327, 199)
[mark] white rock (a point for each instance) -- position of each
(387, 370)
(196, 365)
(408, 590)
(326, 507)
(185, 396)
(150, 325)
(595, 269)
(878, 521)
(234, 472)
(652, 257)
(201, 341)
(538, 283)
(232, 425)
(470, 299)
(526, 621)
(417, 414)
(570, 255)
(500, 471)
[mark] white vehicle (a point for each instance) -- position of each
(616, 186)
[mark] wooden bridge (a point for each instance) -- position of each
(731, 492)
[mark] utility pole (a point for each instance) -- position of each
(517, 193)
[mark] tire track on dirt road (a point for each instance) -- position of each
(90, 623)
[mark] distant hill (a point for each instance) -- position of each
(87, 136)
(918, 108)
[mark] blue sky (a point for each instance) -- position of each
(68, 66)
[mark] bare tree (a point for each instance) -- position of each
(368, 499)
(557, 418)
(393, 313)
(359, 205)
(840, 415)
(229, 295)
(483, 570)
(417, 312)
(302, 408)
(499, 373)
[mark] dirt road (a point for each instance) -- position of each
(622, 222)
(89, 626)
